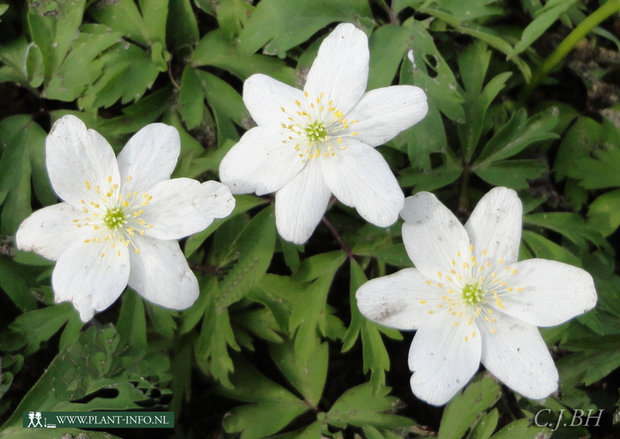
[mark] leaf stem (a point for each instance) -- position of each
(464, 195)
(560, 52)
(172, 80)
(336, 235)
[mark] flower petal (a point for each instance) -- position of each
(78, 160)
(183, 206)
(443, 358)
(91, 276)
(552, 292)
(434, 238)
(260, 162)
(518, 356)
(360, 177)
(149, 157)
(50, 231)
(264, 97)
(160, 274)
(401, 300)
(495, 226)
(300, 204)
(384, 112)
(340, 69)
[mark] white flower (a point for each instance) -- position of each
(120, 219)
(471, 301)
(312, 143)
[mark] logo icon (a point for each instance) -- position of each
(35, 420)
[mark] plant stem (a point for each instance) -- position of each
(560, 52)
(336, 235)
(464, 195)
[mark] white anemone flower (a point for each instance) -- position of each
(471, 301)
(312, 143)
(120, 218)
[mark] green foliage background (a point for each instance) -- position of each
(275, 345)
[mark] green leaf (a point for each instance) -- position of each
(308, 377)
(486, 35)
(194, 160)
(280, 25)
(162, 319)
(215, 49)
(273, 406)
(312, 431)
(182, 26)
(517, 134)
(13, 283)
(467, 407)
(279, 294)
(243, 203)
(249, 385)
(592, 364)
(545, 17)
(82, 66)
(510, 173)
(53, 26)
(221, 95)
(361, 406)
(181, 369)
(520, 429)
(425, 138)
(146, 25)
(291, 254)
(465, 11)
(309, 316)
(260, 322)
(225, 244)
(257, 421)
(232, 16)
(318, 265)
(374, 353)
(388, 45)
(543, 248)
(486, 426)
(256, 247)
(21, 138)
(131, 323)
(568, 224)
(603, 212)
(216, 334)
(191, 98)
(196, 312)
(393, 254)
(71, 333)
(432, 179)
(473, 65)
(40, 325)
(590, 153)
(94, 362)
(127, 72)
(432, 73)
(5, 382)
(24, 63)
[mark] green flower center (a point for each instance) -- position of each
(316, 131)
(472, 293)
(114, 218)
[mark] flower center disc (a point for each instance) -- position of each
(316, 131)
(114, 218)
(472, 293)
